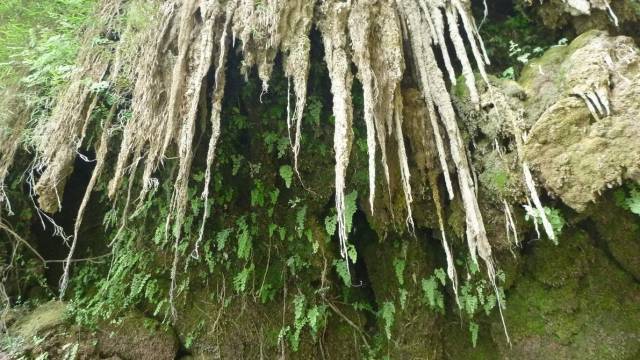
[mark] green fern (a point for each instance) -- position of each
(330, 223)
(244, 239)
(342, 268)
(398, 266)
(286, 173)
(631, 201)
(474, 329)
(241, 279)
(350, 208)
(387, 313)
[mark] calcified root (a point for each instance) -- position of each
(451, 267)
(9, 141)
(97, 171)
(218, 95)
(376, 41)
(69, 121)
(144, 132)
(434, 89)
(360, 31)
(435, 92)
(296, 46)
(333, 28)
(510, 224)
(584, 7)
(517, 123)
(404, 162)
(533, 193)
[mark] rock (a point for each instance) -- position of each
(584, 15)
(620, 230)
(43, 318)
(587, 138)
(137, 337)
(133, 337)
(572, 302)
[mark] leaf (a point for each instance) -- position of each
(474, 328)
(300, 218)
(330, 224)
(387, 313)
(221, 238)
(429, 288)
(314, 318)
(244, 239)
(343, 271)
(399, 265)
(350, 208)
(633, 201)
(286, 173)
(441, 275)
(240, 280)
(352, 253)
(403, 298)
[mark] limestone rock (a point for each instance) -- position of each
(586, 139)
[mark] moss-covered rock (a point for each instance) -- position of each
(46, 331)
(585, 141)
(584, 15)
(137, 337)
(572, 302)
(620, 230)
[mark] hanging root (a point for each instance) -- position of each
(404, 162)
(12, 124)
(360, 31)
(100, 162)
(333, 28)
(451, 267)
(295, 24)
(533, 193)
(59, 137)
(435, 92)
(216, 109)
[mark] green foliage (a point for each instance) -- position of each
(35, 33)
(300, 219)
(342, 268)
(350, 208)
(556, 219)
(398, 266)
(330, 223)
(242, 278)
(286, 173)
(628, 198)
(554, 216)
(305, 315)
(244, 239)
(474, 329)
(138, 13)
(387, 314)
(432, 294)
(512, 41)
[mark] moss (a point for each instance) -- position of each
(620, 229)
(44, 317)
(458, 345)
(461, 90)
(573, 302)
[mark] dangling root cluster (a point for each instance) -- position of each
(187, 40)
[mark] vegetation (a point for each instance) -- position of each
(197, 166)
